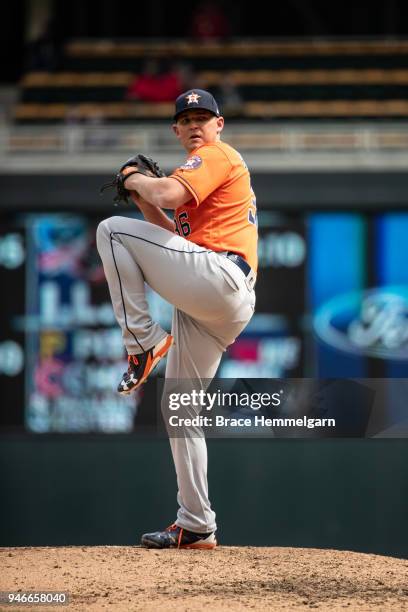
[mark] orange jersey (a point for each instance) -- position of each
(221, 214)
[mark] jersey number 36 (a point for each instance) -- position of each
(182, 225)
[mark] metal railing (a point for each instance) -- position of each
(81, 143)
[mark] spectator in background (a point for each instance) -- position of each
(209, 22)
(189, 78)
(73, 137)
(42, 52)
(157, 82)
(230, 99)
(96, 134)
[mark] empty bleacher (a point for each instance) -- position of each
(289, 79)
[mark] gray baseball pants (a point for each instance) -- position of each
(213, 304)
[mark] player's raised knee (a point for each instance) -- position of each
(102, 231)
(109, 225)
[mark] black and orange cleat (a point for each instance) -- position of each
(140, 366)
(177, 537)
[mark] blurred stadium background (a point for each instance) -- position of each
(316, 101)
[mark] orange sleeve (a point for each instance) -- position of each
(203, 172)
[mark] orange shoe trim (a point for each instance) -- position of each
(200, 545)
(152, 362)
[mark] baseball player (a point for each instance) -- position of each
(204, 262)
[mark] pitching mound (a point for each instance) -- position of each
(228, 578)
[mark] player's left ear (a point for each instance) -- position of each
(220, 124)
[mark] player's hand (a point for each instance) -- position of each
(137, 164)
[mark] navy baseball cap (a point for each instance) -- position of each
(196, 98)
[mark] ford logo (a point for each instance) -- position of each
(372, 323)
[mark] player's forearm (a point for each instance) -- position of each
(162, 192)
(151, 190)
(153, 214)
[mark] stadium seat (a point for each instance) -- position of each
(290, 79)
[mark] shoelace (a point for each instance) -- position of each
(132, 359)
(173, 527)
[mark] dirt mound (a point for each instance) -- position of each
(123, 578)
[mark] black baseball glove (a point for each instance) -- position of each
(145, 165)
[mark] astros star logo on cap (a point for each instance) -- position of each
(193, 98)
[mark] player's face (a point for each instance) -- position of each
(197, 127)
